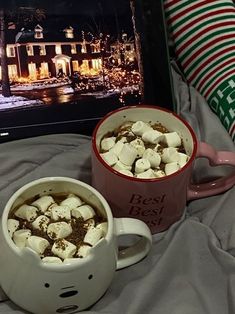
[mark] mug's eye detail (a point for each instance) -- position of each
(90, 277)
(47, 285)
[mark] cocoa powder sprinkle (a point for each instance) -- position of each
(79, 226)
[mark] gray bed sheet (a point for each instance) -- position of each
(191, 266)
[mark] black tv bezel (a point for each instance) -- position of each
(81, 119)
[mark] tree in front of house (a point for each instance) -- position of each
(10, 16)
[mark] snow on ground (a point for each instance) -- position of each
(17, 101)
(27, 87)
(112, 92)
(68, 90)
(39, 84)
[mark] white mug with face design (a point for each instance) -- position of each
(66, 287)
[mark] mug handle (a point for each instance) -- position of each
(216, 158)
(136, 252)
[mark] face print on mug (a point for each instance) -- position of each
(75, 282)
(67, 296)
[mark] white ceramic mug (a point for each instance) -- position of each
(66, 288)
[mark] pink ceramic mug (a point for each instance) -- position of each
(159, 202)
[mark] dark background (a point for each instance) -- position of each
(109, 17)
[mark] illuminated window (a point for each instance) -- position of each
(29, 50)
(12, 71)
(10, 51)
(75, 65)
(32, 71)
(69, 32)
(83, 48)
(84, 68)
(96, 64)
(73, 49)
(44, 71)
(42, 50)
(124, 36)
(95, 48)
(58, 49)
(38, 32)
(38, 35)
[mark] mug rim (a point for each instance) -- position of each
(32, 183)
(151, 180)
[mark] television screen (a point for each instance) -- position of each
(66, 63)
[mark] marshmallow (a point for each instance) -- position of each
(12, 226)
(152, 136)
(128, 154)
(172, 139)
(43, 203)
(90, 223)
(64, 249)
(149, 174)
(48, 211)
(126, 172)
(20, 237)
(120, 166)
(140, 127)
(51, 260)
(110, 158)
(83, 250)
(142, 165)
(183, 159)
(60, 212)
(59, 230)
(107, 143)
(116, 149)
(171, 168)
(72, 201)
(41, 223)
(84, 211)
(122, 140)
(27, 212)
(138, 144)
(37, 244)
(153, 157)
(160, 173)
(93, 235)
(104, 227)
(170, 154)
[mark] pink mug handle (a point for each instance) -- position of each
(216, 158)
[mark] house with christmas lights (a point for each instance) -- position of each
(41, 53)
(123, 50)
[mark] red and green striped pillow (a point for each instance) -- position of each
(203, 32)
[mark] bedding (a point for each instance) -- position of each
(191, 266)
(202, 33)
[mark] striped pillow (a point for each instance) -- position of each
(203, 33)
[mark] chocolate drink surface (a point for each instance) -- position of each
(143, 150)
(58, 227)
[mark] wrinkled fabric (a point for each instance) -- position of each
(191, 267)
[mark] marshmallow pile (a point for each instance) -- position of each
(141, 150)
(58, 229)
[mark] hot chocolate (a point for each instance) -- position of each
(58, 227)
(143, 150)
